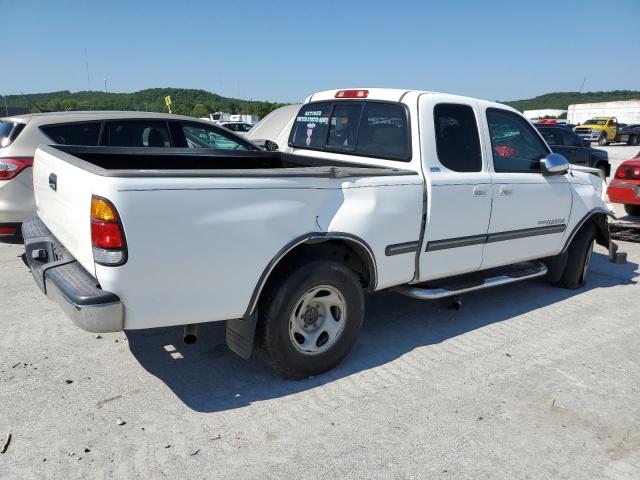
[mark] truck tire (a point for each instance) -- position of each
(633, 140)
(580, 250)
(632, 210)
(309, 318)
(602, 141)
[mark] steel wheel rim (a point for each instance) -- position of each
(317, 320)
(587, 261)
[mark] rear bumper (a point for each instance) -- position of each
(624, 192)
(63, 280)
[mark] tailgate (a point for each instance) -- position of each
(63, 201)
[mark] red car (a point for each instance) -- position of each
(625, 186)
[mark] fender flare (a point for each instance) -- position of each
(603, 230)
(313, 237)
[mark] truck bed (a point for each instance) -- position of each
(203, 226)
(189, 162)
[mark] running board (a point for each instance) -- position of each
(452, 287)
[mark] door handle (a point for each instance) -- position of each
(480, 191)
(506, 190)
(53, 182)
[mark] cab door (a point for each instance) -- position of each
(458, 188)
(612, 129)
(530, 210)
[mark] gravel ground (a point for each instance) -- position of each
(525, 381)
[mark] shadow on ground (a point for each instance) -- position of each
(209, 377)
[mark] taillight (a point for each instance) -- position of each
(352, 94)
(635, 172)
(107, 234)
(621, 172)
(10, 167)
(8, 230)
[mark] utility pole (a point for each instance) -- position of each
(105, 85)
(86, 63)
(6, 109)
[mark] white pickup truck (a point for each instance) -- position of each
(428, 194)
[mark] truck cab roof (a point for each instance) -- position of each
(394, 95)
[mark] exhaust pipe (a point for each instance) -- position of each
(190, 335)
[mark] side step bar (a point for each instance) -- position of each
(533, 270)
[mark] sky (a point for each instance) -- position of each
(286, 50)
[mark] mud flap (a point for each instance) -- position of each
(619, 258)
(240, 334)
(556, 266)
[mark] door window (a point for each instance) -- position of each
(457, 140)
(515, 145)
(81, 133)
(200, 136)
(570, 139)
(550, 136)
(137, 133)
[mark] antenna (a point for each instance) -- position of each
(582, 84)
(34, 104)
(86, 63)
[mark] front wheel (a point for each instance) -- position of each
(602, 141)
(632, 210)
(580, 251)
(309, 318)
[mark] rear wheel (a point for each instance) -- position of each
(575, 272)
(309, 318)
(632, 210)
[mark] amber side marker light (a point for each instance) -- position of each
(107, 235)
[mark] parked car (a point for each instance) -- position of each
(625, 186)
(275, 126)
(428, 194)
(20, 136)
(607, 130)
(241, 128)
(575, 149)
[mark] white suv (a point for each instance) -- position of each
(20, 136)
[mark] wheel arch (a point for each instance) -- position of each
(354, 251)
(597, 217)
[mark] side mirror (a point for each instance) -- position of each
(554, 164)
(266, 144)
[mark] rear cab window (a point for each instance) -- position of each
(367, 128)
(80, 133)
(9, 132)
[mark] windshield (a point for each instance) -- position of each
(8, 132)
(595, 122)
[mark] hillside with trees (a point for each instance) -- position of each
(561, 100)
(197, 103)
